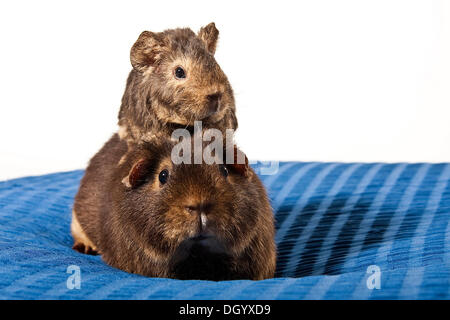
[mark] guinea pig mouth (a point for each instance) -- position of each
(214, 112)
(202, 257)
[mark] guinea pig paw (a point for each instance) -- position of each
(85, 249)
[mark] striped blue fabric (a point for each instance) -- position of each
(333, 221)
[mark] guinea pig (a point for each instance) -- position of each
(149, 216)
(175, 81)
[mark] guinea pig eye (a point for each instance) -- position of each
(180, 73)
(163, 176)
(223, 170)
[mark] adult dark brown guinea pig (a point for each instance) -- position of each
(175, 81)
(148, 216)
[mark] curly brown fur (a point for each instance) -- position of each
(155, 100)
(143, 226)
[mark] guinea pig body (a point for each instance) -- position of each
(175, 81)
(146, 215)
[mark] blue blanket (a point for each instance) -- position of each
(344, 231)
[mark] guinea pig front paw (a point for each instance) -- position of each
(85, 249)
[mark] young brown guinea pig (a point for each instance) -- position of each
(146, 215)
(175, 81)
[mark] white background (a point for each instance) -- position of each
(314, 80)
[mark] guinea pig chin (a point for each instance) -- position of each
(201, 257)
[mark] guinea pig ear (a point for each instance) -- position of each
(209, 35)
(137, 174)
(146, 51)
(240, 163)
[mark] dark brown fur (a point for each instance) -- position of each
(137, 223)
(155, 101)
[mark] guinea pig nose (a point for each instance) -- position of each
(199, 208)
(214, 97)
(200, 213)
(213, 102)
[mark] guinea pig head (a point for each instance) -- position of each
(181, 79)
(195, 217)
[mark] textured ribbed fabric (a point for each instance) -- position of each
(333, 221)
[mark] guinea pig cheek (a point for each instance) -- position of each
(178, 225)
